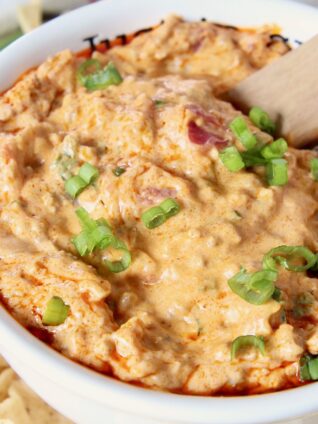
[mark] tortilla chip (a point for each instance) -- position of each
(20, 405)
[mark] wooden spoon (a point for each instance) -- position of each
(288, 90)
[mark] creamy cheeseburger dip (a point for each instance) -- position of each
(139, 214)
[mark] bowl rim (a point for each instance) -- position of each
(124, 396)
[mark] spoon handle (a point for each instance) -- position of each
(288, 90)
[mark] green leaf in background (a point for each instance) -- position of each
(8, 39)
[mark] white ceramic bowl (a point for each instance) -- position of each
(81, 394)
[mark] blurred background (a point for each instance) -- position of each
(20, 16)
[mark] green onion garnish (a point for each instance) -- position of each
(118, 171)
(56, 312)
(86, 221)
(303, 368)
(100, 78)
(242, 132)
(88, 173)
(154, 217)
(83, 243)
(313, 368)
(99, 235)
(289, 257)
(275, 150)
(157, 215)
(277, 172)
(253, 157)
(232, 159)
(90, 64)
(89, 240)
(262, 120)
(170, 207)
(256, 288)
(102, 236)
(308, 368)
(314, 168)
(74, 186)
(124, 262)
(246, 341)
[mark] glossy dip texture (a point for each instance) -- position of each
(168, 321)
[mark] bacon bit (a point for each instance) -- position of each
(150, 195)
(207, 117)
(197, 45)
(198, 135)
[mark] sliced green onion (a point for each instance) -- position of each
(170, 207)
(101, 78)
(277, 172)
(56, 312)
(232, 159)
(88, 173)
(242, 132)
(83, 243)
(86, 221)
(314, 168)
(74, 186)
(308, 367)
(95, 234)
(255, 288)
(102, 222)
(154, 217)
(286, 256)
(314, 268)
(275, 150)
(313, 368)
(82, 73)
(251, 159)
(102, 237)
(262, 120)
(303, 368)
(98, 235)
(124, 262)
(118, 171)
(246, 341)
(157, 215)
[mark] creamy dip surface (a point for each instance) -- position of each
(168, 321)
